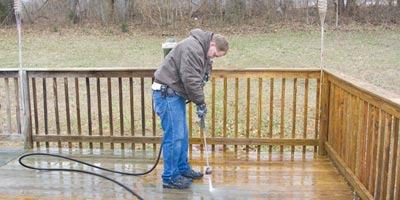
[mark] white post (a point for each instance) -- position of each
(22, 77)
(322, 8)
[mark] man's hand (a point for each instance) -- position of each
(201, 110)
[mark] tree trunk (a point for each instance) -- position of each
(76, 12)
(249, 8)
(342, 7)
(122, 9)
(113, 10)
(336, 13)
(351, 7)
(307, 16)
(7, 12)
(282, 7)
(101, 10)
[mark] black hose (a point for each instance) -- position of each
(88, 172)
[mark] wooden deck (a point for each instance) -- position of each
(237, 175)
(304, 111)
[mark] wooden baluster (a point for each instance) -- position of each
(89, 110)
(305, 113)
(121, 110)
(78, 110)
(99, 110)
(143, 111)
(213, 111)
(225, 104)
(110, 110)
(236, 110)
(67, 109)
(317, 112)
(374, 147)
(396, 130)
(271, 112)
(361, 142)
(153, 117)
(45, 117)
(294, 113)
(17, 107)
(8, 106)
(259, 113)
(282, 123)
(354, 114)
(370, 144)
(132, 110)
(248, 113)
(395, 156)
(35, 109)
(56, 110)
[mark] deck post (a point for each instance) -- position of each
(324, 114)
(25, 129)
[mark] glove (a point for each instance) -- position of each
(205, 78)
(201, 110)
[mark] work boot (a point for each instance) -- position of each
(193, 175)
(179, 183)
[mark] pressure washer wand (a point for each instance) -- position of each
(203, 126)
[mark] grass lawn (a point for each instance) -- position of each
(369, 54)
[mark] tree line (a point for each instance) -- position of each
(176, 13)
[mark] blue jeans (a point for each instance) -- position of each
(172, 112)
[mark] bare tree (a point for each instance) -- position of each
(249, 7)
(351, 7)
(112, 5)
(7, 12)
(123, 6)
(307, 20)
(173, 13)
(282, 7)
(336, 3)
(342, 7)
(148, 13)
(75, 11)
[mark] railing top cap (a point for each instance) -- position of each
(368, 88)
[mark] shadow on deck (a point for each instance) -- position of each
(235, 176)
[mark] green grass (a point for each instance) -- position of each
(370, 54)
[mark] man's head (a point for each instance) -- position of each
(218, 46)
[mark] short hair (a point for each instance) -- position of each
(221, 43)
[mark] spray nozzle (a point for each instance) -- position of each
(203, 124)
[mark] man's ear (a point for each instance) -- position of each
(212, 43)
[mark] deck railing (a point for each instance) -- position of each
(360, 124)
(10, 106)
(253, 109)
(249, 110)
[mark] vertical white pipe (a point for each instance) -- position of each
(17, 9)
(322, 8)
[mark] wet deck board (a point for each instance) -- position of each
(7, 154)
(235, 176)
